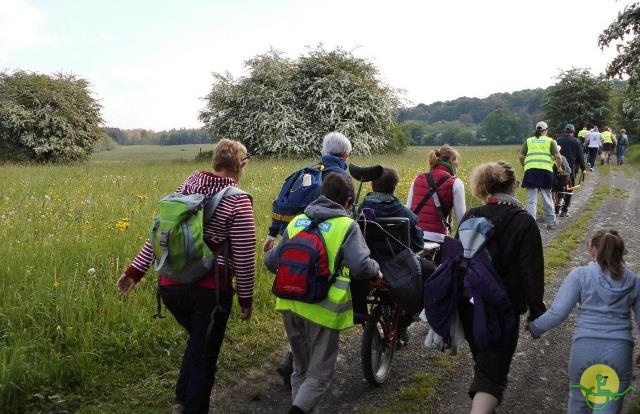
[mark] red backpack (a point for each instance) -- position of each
(303, 267)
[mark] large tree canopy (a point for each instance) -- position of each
(285, 107)
(624, 32)
(579, 98)
(47, 118)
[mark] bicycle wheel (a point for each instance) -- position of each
(376, 349)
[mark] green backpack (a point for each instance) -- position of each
(177, 234)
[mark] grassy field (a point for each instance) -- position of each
(67, 340)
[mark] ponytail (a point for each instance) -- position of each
(444, 153)
(610, 251)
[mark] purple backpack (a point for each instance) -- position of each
(467, 273)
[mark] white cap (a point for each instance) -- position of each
(541, 126)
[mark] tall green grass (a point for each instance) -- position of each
(68, 341)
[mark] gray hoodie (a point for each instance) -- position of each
(354, 251)
(605, 304)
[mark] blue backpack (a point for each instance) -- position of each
(297, 192)
(467, 274)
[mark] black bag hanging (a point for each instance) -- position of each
(403, 274)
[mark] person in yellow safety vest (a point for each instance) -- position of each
(537, 155)
(313, 329)
(582, 134)
(607, 145)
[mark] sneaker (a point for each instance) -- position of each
(177, 408)
(563, 214)
(551, 226)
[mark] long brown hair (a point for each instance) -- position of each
(610, 251)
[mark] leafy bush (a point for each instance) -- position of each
(285, 107)
(47, 118)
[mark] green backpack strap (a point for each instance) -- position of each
(212, 204)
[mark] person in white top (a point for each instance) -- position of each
(594, 142)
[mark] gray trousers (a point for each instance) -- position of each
(586, 352)
(547, 203)
(315, 351)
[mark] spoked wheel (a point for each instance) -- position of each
(377, 350)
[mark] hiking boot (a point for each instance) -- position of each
(286, 369)
(563, 214)
(551, 226)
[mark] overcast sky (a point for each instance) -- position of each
(150, 62)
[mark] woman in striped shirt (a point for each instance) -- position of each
(193, 304)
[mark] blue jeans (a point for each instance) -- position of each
(192, 306)
(547, 204)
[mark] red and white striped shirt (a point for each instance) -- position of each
(233, 221)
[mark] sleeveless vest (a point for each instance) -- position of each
(428, 217)
(607, 137)
(539, 154)
(335, 311)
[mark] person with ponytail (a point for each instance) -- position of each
(441, 183)
(606, 292)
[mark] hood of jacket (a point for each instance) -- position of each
(612, 291)
(329, 160)
(322, 209)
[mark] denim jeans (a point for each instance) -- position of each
(192, 307)
(547, 204)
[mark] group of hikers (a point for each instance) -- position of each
(320, 258)
(604, 143)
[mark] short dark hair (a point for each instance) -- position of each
(387, 182)
(337, 188)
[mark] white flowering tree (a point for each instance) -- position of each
(285, 107)
(47, 118)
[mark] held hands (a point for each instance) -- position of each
(125, 284)
(528, 328)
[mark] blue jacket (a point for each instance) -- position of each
(605, 304)
(386, 205)
(328, 160)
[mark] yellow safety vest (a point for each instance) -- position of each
(335, 311)
(606, 137)
(582, 134)
(539, 154)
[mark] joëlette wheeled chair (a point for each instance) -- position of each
(386, 237)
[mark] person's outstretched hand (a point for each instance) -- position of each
(246, 313)
(268, 245)
(125, 284)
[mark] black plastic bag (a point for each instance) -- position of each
(404, 277)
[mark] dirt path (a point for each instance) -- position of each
(538, 378)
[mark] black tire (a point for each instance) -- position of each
(376, 352)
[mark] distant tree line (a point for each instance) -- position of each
(501, 118)
(578, 97)
(149, 137)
